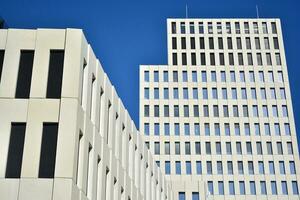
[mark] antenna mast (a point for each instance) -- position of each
(186, 11)
(257, 13)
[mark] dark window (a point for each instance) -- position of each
(183, 43)
(15, 150)
(174, 58)
(222, 61)
(48, 150)
(173, 27)
(55, 73)
(1, 61)
(211, 43)
(184, 59)
(24, 74)
(192, 43)
(220, 43)
(229, 43)
(193, 58)
(212, 59)
(174, 43)
(202, 45)
(203, 61)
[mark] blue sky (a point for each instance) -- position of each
(125, 34)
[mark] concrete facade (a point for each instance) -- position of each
(99, 153)
(219, 118)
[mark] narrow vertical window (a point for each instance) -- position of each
(48, 150)
(80, 143)
(83, 80)
(1, 62)
(15, 150)
(55, 73)
(24, 74)
(89, 173)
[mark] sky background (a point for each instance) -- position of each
(126, 34)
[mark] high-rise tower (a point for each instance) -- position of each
(219, 118)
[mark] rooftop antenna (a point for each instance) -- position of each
(257, 13)
(186, 11)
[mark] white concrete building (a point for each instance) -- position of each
(64, 132)
(219, 118)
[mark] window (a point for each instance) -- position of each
(196, 110)
(237, 129)
(252, 188)
(227, 129)
(1, 61)
(284, 188)
(188, 167)
(192, 43)
(202, 44)
(201, 28)
(204, 93)
(166, 111)
(185, 93)
(166, 93)
(265, 27)
(257, 43)
(266, 42)
(167, 128)
(238, 43)
(259, 59)
(274, 28)
(230, 167)
(231, 188)
(183, 43)
(186, 129)
(237, 28)
(156, 129)
(210, 187)
(166, 76)
(295, 187)
(156, 148)
(278, 59)
(213, 76)
(207, 129)
(208, 148)
(194, 76)
(198, 167)
(156, 111)
(195, 196)
(221, 59)
(250, 60)
(265, 111)
(211, 43)
(48, 150)
(223, 76)
(217, 129)
(228, 28)
(218, 148)
(173, 27)
(15, 150)
(197, 148)
(204, 76)
(195, 93)
(240, 167)
(246, 27)
(167, 167)
(174, 58)
(175, 93)
(181, 196)
(281, 167)
(214, 93)
(177, 148)
(261, 169)
(231, 59)
(220, 43)
(187, 148)
(229, 43)
(257, 129)
(210, 28)
(289, 148)
(271, 167)
(279, 148)
(263, 188)
(192, 28)
(224, 93)
(240, 59)
(258, 148)
(197, 129)
(182, 27)
(219, 28)
(248, 43)
(275, 111)
(178, 167)
(176, 111)
(228, 148)
(205, 111)
(287, 129)
(250, 167)
(212, 59)
(156, 93)
(221, 187)
(156, 76)
(219, 167)
(25, 73)
(146, 129)
(232, 76)
(242, 188)
(174, 43)
(176, 128)
(274, 187)
(292, 167)
(186, 111)
(249, 148)
(183, 58)
(146, 76)
(238, 148)
(244, 93)
(146, 93)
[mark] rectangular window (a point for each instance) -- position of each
(231, 188)
(274, 28)
(15, 150)
(183, 43)
(188, 167)
(178, 167)
(202, 59)
(55, 73)
(181, 195)
(1, 62)
(284, 188)
(174, 58)
(242, 188)
(210, 186)
(24, 74)
(198, 167)
(192, 43)
(182, 27)
(48, 150)
(173, 27)
(221, 187)
(174, 43)
(220, 43)
(274, 187)
(202, 44)
(177, 148)
(195, 196)
(295, 188)
(167, 167)
(201, 27)
(193, 57)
